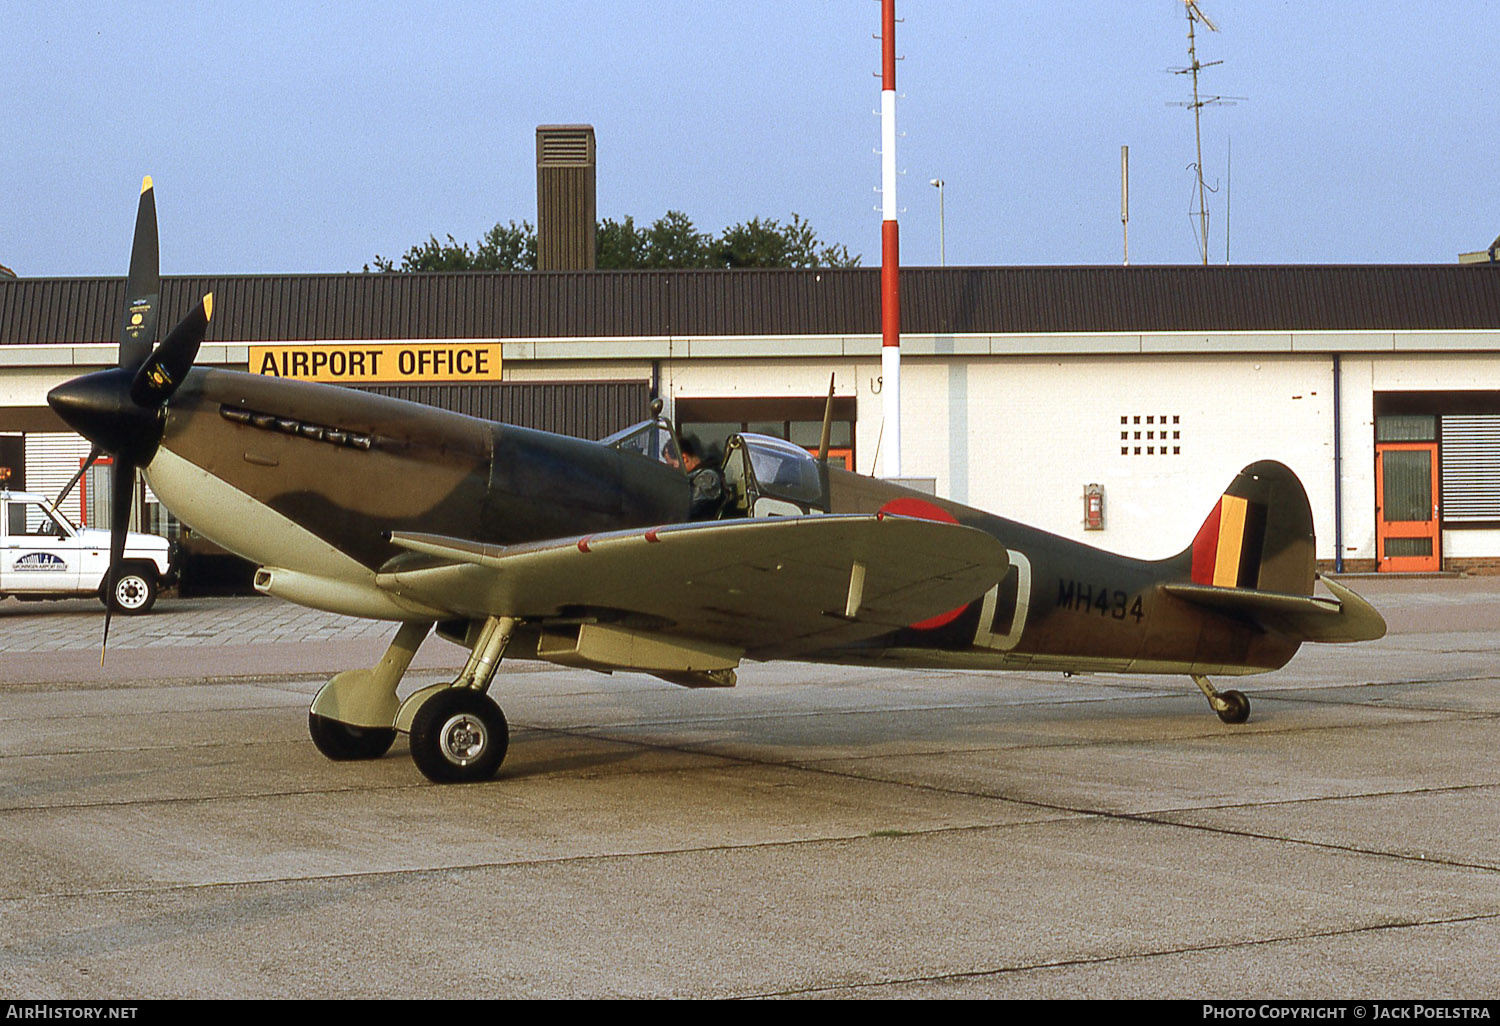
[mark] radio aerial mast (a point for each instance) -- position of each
(1195, 17)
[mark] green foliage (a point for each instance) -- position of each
(672, 240)
(758, 243)
(509, 247)
(618, 246)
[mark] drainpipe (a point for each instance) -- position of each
(1338, 468)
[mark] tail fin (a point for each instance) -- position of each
(1255, 558)
(1259, 535)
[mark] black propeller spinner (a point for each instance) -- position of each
(120, 410)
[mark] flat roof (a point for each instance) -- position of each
(785, 303)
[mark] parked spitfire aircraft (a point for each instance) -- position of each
(610, 556)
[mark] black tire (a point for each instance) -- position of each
(134, 592)
(344, 742)
(1237, 707)
(459, 736)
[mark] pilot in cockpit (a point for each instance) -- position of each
(708, 485)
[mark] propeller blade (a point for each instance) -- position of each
(143, 287)
(164, 369)
(121, 499)
(94, 453)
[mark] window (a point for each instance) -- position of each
(1406, 428)
(30, 519)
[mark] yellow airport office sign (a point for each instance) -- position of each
(387, 362)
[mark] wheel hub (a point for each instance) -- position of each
(464, 739)
(129, 593)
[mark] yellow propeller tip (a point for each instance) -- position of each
(208, 307)
(145, 184)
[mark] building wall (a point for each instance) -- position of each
(1021, 436)
(1019, 425)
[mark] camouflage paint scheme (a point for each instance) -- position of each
(350, 467)
(599, 556)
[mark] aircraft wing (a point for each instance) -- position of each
(765, 588)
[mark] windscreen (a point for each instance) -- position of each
(651, 439)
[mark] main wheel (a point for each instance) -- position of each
(134, 592)
(344, 742)
(1236, 707)
(459, 736)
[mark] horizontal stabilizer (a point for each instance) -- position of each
(1344, 617)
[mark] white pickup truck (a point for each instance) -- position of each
(43, 556)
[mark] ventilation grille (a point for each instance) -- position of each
(564, 147)
(1150, 434)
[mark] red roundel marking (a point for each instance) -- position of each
(923, 510)
(583, 543)
(919, 508)
(651, 535)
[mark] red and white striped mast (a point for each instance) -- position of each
(890, 250)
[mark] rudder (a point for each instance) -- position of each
(1259, 535)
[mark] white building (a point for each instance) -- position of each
(1378, 385)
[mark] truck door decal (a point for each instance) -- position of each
(41, 561)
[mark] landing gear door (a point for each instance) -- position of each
(770, 477)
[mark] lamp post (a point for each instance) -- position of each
(937, 183)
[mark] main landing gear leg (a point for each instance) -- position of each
(458, 733)
(354, 715)
(1232, 706)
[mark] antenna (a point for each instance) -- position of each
(1228, 192)
(1125, 199)
(1195, 16)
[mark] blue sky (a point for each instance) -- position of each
(301, 137)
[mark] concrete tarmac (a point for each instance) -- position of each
(169, 831)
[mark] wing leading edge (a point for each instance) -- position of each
(767, 588)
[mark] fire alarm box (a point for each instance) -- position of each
(1093, 507)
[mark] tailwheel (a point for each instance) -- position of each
(344, 742)
(459, 736)
(1231, 706)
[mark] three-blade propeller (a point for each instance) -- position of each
(120, 410)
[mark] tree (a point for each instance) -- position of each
(672, 241)
(757, 243)
(618, 245)
(509, 247)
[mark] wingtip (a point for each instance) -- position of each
(145, 184)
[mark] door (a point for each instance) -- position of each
(37, 553)
(1406, 507)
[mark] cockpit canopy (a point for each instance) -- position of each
(761, 475)
(771, 476)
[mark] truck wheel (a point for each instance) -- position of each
(134, 592)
